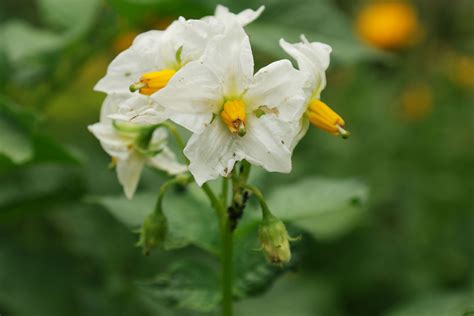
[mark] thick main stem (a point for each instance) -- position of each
(227, 247)
(227, 270)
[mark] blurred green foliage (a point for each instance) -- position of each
(66, 232)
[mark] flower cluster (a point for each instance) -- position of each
(199, 74)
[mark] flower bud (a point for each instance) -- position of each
(153, 232)
(274, 240)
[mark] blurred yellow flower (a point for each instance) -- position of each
(416, 101)
(462, 71)
(162, 23)
(388, 25)
(123, 41)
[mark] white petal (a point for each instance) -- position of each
(160, 135)
(245, 17)
(129, 171)
(195, 89)
(230, 56)
(128, 66)
(303, 128)
(146, 116)
(313, 59)
(194, 122)
(268, 142)
(211, 153)
(110, 141)
(248, 16)
(136, 108)
(278, 86)
(191, 35)
(166, 160)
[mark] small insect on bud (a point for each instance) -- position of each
(274, 240)
(153, 232)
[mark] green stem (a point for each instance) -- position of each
(180, 179)
(216, 204)
(173, 130)
(228, 219)
(227, 270)
(244, 174)
(225, 190)
(258, 194)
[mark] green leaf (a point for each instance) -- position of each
(187, 285)
(21, 41)
(15, 133)
(293, 294)
(136, 10)
(35, 187)
(190, 221)
(439, 305)
(14, 141)
(323, 207)
(21, 142)
(49, 150)
(66, 17)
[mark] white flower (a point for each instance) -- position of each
(156, 56)
(243, 18)
(233, 113)
(148, 64)
(313, 61)
(132, 146)
(153, 51)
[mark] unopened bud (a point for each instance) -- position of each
(274, 240)
(153, 232)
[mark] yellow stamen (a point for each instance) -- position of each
(153, 81)
(234, 116)
(323, 117)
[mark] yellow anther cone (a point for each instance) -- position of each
(151, 82)
(234, 116)
(323, 117)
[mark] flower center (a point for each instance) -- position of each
(323, 117)
(153, 81)
(234, 116)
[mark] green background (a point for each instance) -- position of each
(386, 217)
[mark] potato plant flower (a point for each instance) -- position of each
(199, 75)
